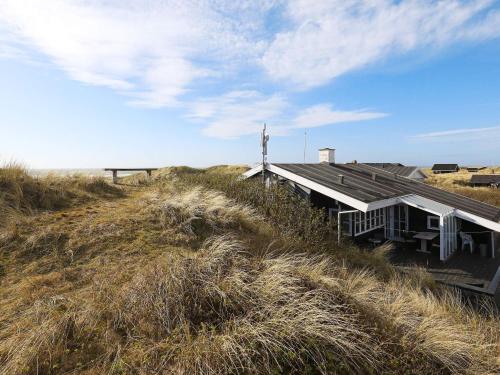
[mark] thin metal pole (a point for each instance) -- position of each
(493, 244)
(264, 154)
(305, 144)
(339, 212)
(338, 227)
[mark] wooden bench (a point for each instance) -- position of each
(116, 170)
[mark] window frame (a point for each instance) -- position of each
(365, 222)
(429, 219)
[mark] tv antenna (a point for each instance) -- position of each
(263, 142)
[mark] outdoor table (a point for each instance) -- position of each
(424, 237)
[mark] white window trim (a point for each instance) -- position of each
(429, 218)
(369, 221)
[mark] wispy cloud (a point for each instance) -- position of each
(330, 38)
(239, 113)
(323, 114)
(489, 134)
(243, 112)
(144, 50)
(157, 52)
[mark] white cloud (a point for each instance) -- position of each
(322, 114)
(490, 134)
(244, 112)
(146, 50)
(330, 38)
(240, 113)
(154, 51)
(157, 51)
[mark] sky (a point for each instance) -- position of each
(121, 83)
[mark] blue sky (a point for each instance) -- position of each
(89, 84)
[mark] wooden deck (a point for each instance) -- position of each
(462, 268)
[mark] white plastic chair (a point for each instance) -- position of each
(467, 240)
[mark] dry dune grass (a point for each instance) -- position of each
(20, 192)
(222, 310)
(227, 169)
(459, 183)
(199, 210)
(108, 288)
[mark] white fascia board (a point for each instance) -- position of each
(362, 206)
(383, 203)
(424, 204)
(348, 212)
(478, 220)
(252, 172)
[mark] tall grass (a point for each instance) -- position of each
(236, 300)
(459, 183)
(196, 210)
(223, 310)
(22, 193)
(226, 315)
(293, 216)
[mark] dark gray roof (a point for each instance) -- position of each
(360, 184)
(485, 179)
(473, 169)
(396, 168)
(445, 167)
(384, 165)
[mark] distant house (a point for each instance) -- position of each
(492, 180)
(475, 169)
(445, 168)
(415, 173)
(384, 165)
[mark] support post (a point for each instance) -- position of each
(493, 244)
(391, 223)
(441, 239)
(338, 226)
(115, 176)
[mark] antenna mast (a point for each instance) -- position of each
(305, 144)
(263, 142)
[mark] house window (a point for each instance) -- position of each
(364, 222)
(433, 222)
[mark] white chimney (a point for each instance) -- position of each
(327, 155)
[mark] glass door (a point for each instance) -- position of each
(400, 221)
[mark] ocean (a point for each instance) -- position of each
(90, 172)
